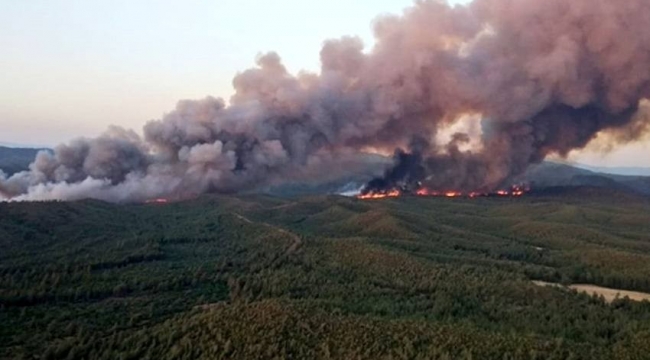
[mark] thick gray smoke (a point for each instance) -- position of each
(483, 90)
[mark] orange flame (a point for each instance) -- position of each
(380, 195)
(515, 191)
(453, 194)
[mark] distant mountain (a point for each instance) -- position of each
(22, 145)
(551, 174)
(627, 171)
(13, 160)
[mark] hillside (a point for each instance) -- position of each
(550, 174)
(626, 171)
(325, 277)
(13, 160)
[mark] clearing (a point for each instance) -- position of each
(609, 294)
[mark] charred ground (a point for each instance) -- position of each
(325, 277)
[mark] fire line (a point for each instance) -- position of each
(515, 191)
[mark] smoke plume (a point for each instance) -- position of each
(534, 77)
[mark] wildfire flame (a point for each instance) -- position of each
(380, 195)
(514, 191)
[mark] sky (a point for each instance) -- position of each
(71, 68)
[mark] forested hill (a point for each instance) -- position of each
(555, 174)
(257, 277)
(13, 160)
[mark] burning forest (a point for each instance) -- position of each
(514, 191)
(470, 96)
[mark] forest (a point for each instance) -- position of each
(326, 277)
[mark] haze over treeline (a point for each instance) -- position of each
(469, 96)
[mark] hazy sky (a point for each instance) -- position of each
(72, 67)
